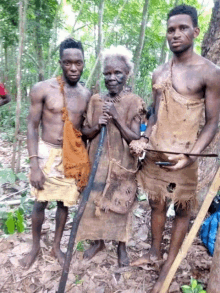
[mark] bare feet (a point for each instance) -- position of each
(94, 249)
(123, 259)
(158, 285)
(57, 253)
(151, 257)
(29, 259)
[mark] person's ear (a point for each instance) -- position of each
(196, 32)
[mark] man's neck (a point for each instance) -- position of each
(68, 83)
(184, 58)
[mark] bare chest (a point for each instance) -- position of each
(76, 104)
(186, 82)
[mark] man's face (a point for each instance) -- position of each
(181, 32)
(115, 74)
(72, 63)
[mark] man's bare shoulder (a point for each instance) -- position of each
(211, 72)
(84, 92)
(42, 86)
(160, 72)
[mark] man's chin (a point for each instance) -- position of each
(72, 81)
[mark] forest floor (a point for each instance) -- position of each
(99, 275)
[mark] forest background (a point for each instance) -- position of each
(31, 31)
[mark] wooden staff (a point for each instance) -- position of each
(78, 215)
(195, 228)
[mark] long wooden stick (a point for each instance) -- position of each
(79, 213)
(186, 154)
(195, 228)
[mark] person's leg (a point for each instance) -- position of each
(158, 219)
(179, 230)
(123, 259)
(61, 216)
(94, 249)
(37, 221)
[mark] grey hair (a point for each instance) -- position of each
(121, 52)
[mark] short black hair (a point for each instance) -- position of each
(70, 43)
(185, 9)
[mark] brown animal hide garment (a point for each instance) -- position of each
(111, 190)
(176, 130)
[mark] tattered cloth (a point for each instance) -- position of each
(107, 214)
(75, 156)
(56, 187)
(176, 130)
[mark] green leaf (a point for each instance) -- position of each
(186, 289)
(193, 283)
(22, 176)
(20, 222)
(7, 175)
(10, 223)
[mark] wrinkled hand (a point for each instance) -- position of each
(103, 120)
(109, 108)
(181, 161)
(137, 147)
(37, 178)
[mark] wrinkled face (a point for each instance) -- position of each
(72, 63)
(115, 74)
(181, 32)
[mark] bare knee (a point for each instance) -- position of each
(157, 206)
(182, 212)
(39, 206)
(60, 205)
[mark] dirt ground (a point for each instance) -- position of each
(99, 275)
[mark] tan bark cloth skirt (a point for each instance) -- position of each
(56, 186)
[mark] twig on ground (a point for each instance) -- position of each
(11, 194)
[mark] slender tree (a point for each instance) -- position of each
(22, 18)
(140, 44)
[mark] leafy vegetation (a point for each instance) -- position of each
(195, 287)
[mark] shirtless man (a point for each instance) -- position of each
(4, 96)
(46, 105)
(180, 89)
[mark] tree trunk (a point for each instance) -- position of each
(214, 279)
(22, 17)
(211, 51)
(140, 45)
(38, 43)
(99, 46)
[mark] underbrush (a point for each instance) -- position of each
(8, 118)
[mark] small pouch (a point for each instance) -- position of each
(120, 190)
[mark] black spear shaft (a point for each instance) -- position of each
(78, 215)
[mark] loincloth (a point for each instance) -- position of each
(160, 184)
(56, 186)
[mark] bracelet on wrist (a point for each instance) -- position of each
(33, 156)
(146, 137)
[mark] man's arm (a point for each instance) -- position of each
(4, 99)
(212, 109)
(137, 147)
(34, 118)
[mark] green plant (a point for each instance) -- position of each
(12, 221)
(78, 281)
(80, 246)
(194, 287)
(8, 176)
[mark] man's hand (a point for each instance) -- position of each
(137, 147)
(37, 178)
(109, 108)
(181, 162)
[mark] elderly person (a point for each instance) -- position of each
(107, 215)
